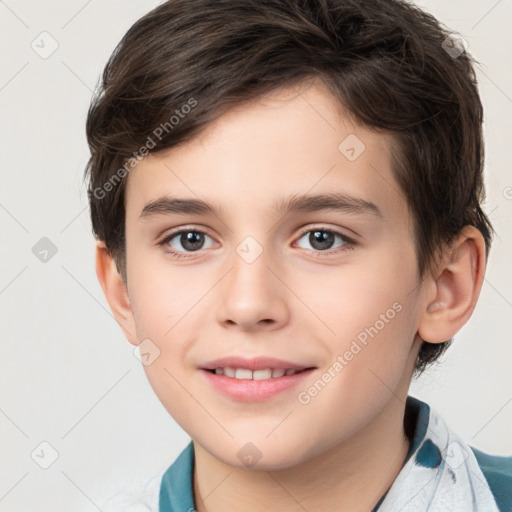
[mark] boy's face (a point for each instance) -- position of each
(261, 283)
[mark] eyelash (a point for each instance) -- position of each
(349, 243)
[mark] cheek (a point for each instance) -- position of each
(368, 357)
(160, 299)
(373, 317)
(162, 314)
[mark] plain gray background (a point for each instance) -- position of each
(67, 375)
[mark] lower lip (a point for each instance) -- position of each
(249, 390)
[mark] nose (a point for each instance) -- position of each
(253, 297)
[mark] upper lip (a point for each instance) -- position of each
(257, 363)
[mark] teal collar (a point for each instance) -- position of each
(176, 488)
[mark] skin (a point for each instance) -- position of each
(343, 449)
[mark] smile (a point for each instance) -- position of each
(244, 385)
(245, 373)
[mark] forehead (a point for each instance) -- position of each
(293, 141)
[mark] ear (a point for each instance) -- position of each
(115, 291)
(456, 288)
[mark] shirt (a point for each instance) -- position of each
(176, 487)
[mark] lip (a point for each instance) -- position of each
(255, 363)
(249, 390)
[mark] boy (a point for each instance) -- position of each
(286, 196)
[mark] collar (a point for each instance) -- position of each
(416, 418)
(176, 488)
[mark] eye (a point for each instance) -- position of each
(323, 240)
(186, 240)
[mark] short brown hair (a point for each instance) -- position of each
(386, 61)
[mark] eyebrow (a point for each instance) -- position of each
(168, 205)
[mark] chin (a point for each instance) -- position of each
(261, 456)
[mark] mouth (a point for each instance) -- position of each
(263, 374)
(246, 385)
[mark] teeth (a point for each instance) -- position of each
(262, 374)
(244, 373)
(229, 372)
(241, 373)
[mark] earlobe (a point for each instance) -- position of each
(457, 286)
(115, 291)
